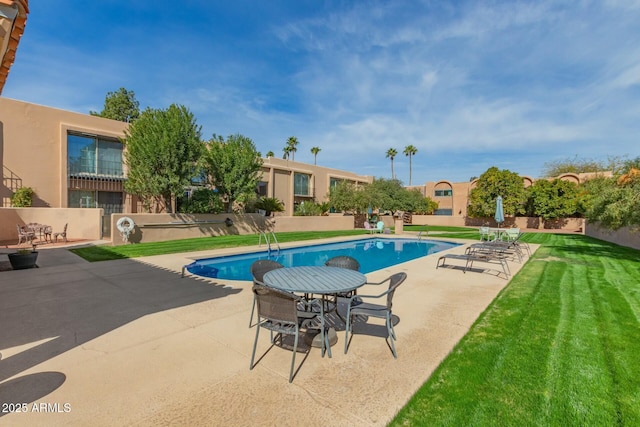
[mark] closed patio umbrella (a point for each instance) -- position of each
(499, 216)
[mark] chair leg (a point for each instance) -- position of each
(293, 358)
(392, 335)
(255, 344)
(347, 328)
(253, 307)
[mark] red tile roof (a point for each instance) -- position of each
(17, 29)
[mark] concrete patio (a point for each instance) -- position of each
(130, 342)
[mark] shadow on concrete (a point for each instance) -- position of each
(28, 388)
(48, 311)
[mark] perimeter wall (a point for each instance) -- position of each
(623, 237)
(84, 224)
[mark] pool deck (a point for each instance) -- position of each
(130, 342)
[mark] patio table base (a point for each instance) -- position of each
(313, 337)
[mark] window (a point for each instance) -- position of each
(301, 184)
(446, 212)
(333, 182)
(262, 189)
(91, 155)
(443, 193)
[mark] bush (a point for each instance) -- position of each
(202, 201)
(311, 209)
(22, 198)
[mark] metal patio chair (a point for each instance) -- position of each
(258, 270)
(279, 312)
(359, 306)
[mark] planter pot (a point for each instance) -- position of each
(23, 261)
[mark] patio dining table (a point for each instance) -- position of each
(319, 280)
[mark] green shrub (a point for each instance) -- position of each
(311, 209)
(22, 198)
(202, 201)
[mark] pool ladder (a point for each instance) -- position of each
(267, 238)
(424, 231)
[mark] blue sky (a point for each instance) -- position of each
(471, 84)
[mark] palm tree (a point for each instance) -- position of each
(391, 154)
(270, 153)
(315, 151)
(410, 151)
(286, 152)
(292, 143)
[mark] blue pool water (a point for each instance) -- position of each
(372, 254)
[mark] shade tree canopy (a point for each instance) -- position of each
(233, 167)
(493, 183)
(120, 105)
(162, 147)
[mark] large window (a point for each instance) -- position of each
(92, 155)
(443, 193)
(301, 184)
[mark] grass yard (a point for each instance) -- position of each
(560, 346)
(105, 253)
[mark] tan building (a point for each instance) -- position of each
(293, 182)
(75, 160)
(68, 159)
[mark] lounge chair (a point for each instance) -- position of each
(492, 255)
(367, 227)
(359, 306)
(379, 227)
(278, 311)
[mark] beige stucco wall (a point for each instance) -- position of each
(33, 149)
(624, 236)
(278, 174)
(162, 227)
(83, 223)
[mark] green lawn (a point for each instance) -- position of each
(560, 346)
(105, 253)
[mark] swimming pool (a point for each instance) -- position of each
(372, 254)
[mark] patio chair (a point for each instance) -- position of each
(379, 227)
(367, 227)
(486, 235)
(344, 261)
(278, 311)
(358, 306)
(62, 234)
(258, 270)
(25, 235)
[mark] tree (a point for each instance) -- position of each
(410, 151)
(315, 151)
(552, 199)
(270, 153)
(162, 148)
(494, 183)
(391, 154)
(614, 202)
(346, 197)
(286, 152)
(202, 201)
(292, 144)
(233, 167)
(120, 105)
